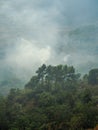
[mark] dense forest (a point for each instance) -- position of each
(56, 98)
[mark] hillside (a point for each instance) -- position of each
(55, 98)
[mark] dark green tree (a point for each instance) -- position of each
(93, 77)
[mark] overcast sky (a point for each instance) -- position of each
(48, 31)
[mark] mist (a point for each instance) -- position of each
(50, 32)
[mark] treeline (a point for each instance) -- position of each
(56, 98)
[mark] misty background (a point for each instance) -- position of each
(47, 31)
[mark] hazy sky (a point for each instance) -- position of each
(48, 31)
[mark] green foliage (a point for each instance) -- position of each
(54, 99)
(86, 96)
(93, 77)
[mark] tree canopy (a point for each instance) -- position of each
(55, 98)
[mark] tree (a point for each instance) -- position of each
(86, 96)
(41, 73)
(93, 77)
(32, 83)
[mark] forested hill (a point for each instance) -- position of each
(56, 98)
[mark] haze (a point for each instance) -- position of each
(47, 31)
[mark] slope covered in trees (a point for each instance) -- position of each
(56, 98)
